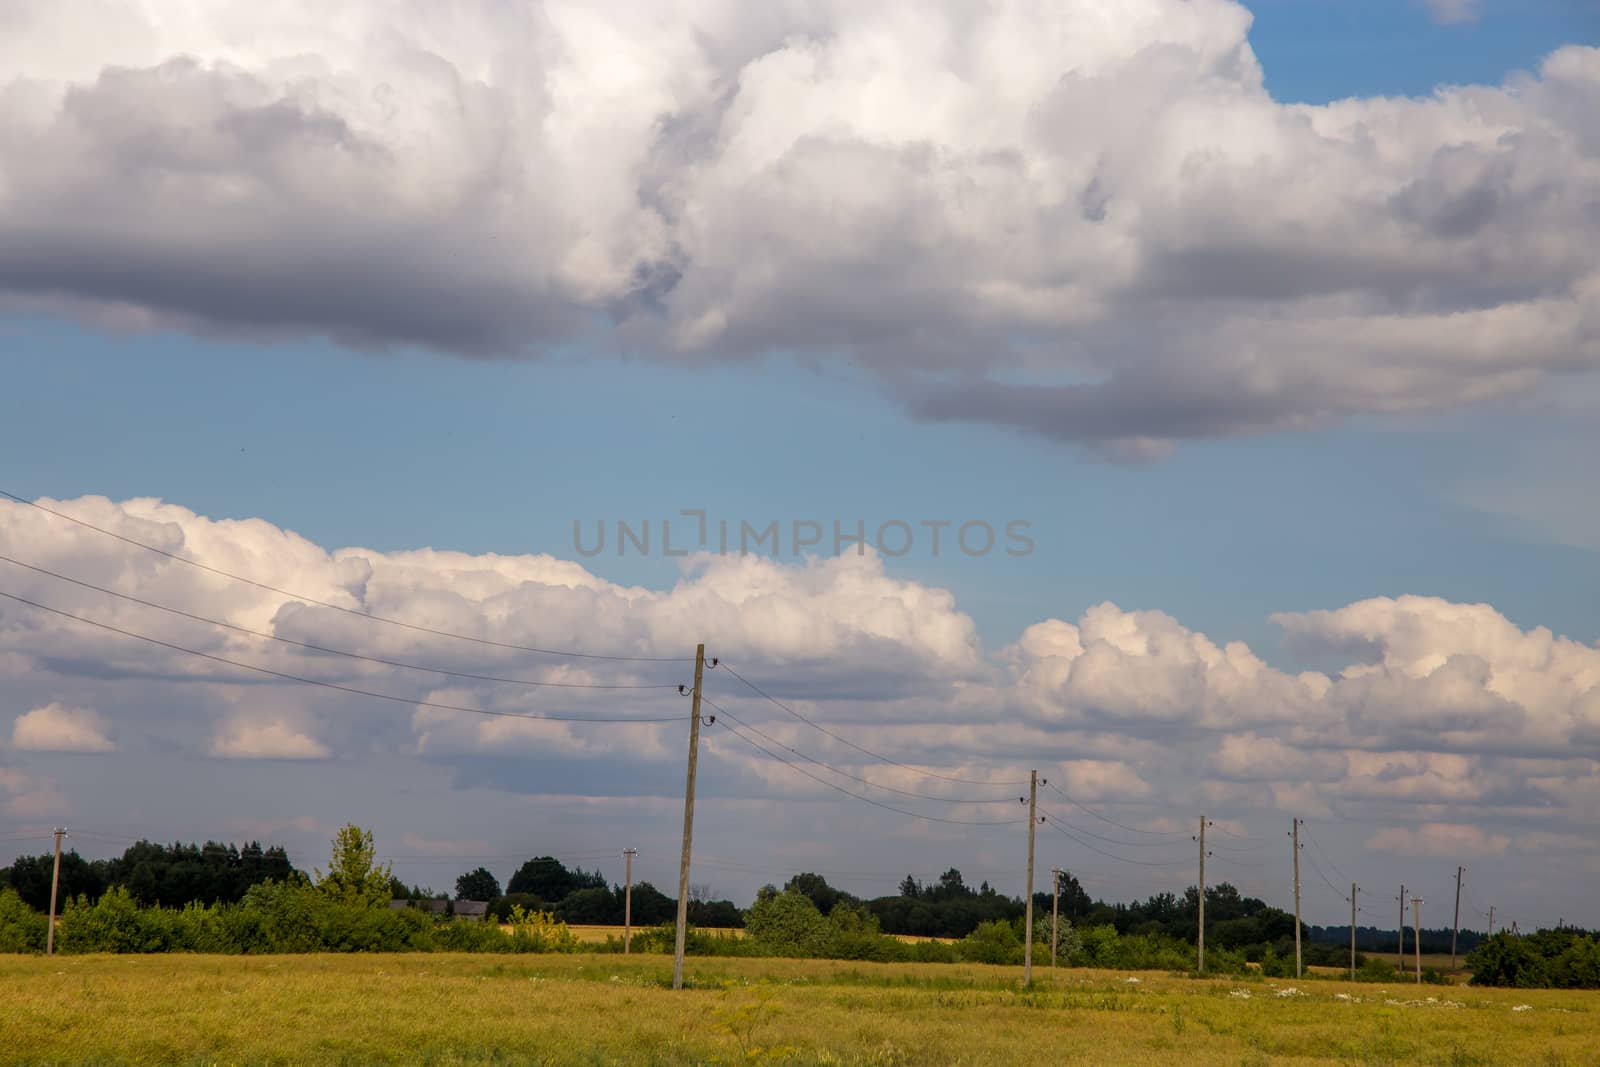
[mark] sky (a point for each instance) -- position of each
(1240, 356)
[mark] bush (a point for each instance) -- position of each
(500, 907)
(1101, 946)
(1503, 960)
(1069, 945)
(539, 931)
(114, 923)
(1376, 969)
(787, 924)
(995, 941)
(21, 928)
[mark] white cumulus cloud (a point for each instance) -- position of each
(57, 728)
(1088, 219)
(266, 740)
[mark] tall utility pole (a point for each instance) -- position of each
(688, 819)
(1055, 913)
(55, 885)
(1352, 931)
(627, 901)
(1400, 953)
(1294, 835)
(1033, 821)
(1455, 929)
(1201, 939)
(1416, 933)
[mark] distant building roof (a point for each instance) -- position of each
(472, 909)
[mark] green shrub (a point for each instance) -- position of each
(500, 907)
(1101, 946)
(1504, 960)
(21, 928)
(787, 924)
(539, 931)
(995, 941)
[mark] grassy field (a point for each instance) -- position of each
(591, 935)
(455, 1009)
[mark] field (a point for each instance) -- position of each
(457, 1009)
(590, 935)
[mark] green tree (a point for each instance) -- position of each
(354, 875)
(823, 895)
(544, 876)
(477, 885)
(787, 924)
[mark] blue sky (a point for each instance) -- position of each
(1288, 448)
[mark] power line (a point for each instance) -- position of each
(866, 751)
(1113, 822)
(1327, 859)
(868, 800)
(333, 607)
(1113, 841)
(331, 685)
(847, 774)
(324, 649)
(1050, 821)
(1342, 895)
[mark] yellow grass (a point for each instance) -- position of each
(596, 935)
(587, 1009)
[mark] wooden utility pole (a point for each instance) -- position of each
(1033, 821)
(1455, 929)
(688, 819)
(1294, 835)
(1055, 913)
(1400, 953)
(1416, 933)
(55, 886)
(627, 900)
(1352, 931)
(1201, 938)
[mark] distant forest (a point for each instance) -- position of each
(947, 907)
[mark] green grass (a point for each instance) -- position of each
(587, 1009)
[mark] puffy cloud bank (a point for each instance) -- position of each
(1443, 715)
(1087, 219)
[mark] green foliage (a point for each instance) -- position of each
(477, 885)
(1274, 965)
(539, 931)
(1069, 945)
(21, 928)
(1101, 946)
(1504, 960)
(153, 873)
(548, 878)
(500, 907)
(1376, 969)
(595, 906)
(1559, 959)
(290, 916)
(30, 876)
(354, 875)
(787, 924)
(823, 895)
(996, 941)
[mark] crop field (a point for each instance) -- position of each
(586, 1009)
(596, 934)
